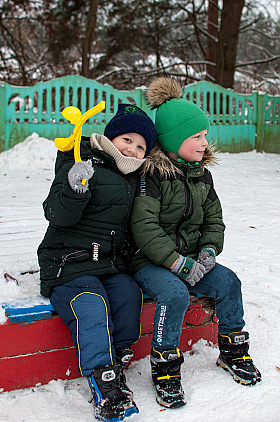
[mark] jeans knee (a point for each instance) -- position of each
(178, 297)
(233, 281)
(229, 286)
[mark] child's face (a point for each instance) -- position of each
(131, 145)
(192, 149)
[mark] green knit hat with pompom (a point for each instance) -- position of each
(176, 119)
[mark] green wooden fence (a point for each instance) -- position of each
(239, 122)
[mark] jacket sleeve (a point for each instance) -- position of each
(212, 231)
(64, 207)
(148, 235)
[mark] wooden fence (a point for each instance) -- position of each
(239, 122)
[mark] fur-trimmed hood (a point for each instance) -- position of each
(158, 160)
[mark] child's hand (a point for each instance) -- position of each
(207, 259)
(79, 171)
(189, 270)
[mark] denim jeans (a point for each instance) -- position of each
(173, 296)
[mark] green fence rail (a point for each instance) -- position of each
(239, 122)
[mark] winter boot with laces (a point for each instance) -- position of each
(167, 377)
(123, 356)
(110, 403)
(234, 358)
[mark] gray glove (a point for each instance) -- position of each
(79, 171)
(189, 270)
(207, 259)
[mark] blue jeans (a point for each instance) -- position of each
(102, 313)
(173, 297)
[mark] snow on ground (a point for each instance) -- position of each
(248, 185)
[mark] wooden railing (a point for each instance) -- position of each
(239, 122)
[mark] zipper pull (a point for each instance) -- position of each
(113, 234)
(61, 266)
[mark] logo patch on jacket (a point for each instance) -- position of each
(142, 186)
(95, 251)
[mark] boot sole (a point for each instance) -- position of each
(236, 377)
(128, 412)
(172, 405)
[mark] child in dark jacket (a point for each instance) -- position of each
(178, 229)
(82, 256)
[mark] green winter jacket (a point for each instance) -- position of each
(87, 232)
(176, 211)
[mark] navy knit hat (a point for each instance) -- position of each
(131, 119)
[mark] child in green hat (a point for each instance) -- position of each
(178, 229)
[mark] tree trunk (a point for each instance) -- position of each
(89, 36)
(211, 51)
(227, 42)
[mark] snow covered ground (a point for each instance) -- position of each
(248, 185)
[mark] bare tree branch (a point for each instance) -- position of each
(261, 61)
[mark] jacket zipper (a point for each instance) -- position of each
(185, 214)
(72, 257)
(114, 260)
(127, 211)
(129, 196)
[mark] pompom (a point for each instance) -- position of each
(162, 89)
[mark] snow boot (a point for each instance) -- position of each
(110, 403)
(167, 377)
(123, 356)
(234, 358)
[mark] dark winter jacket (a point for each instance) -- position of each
(87, 232)
(176, 211)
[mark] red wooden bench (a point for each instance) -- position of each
(36, 346)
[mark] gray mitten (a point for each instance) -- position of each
(189, 270)
(207, 258)
(79, 171)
